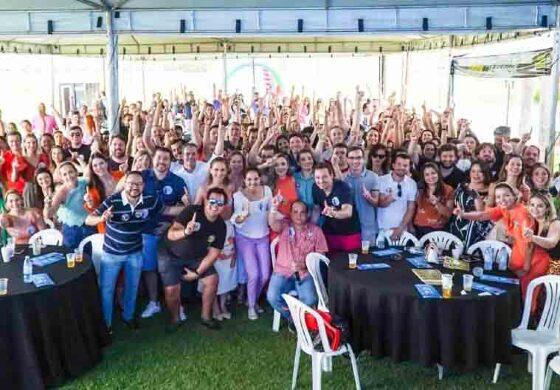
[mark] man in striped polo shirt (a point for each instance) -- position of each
(126, 214)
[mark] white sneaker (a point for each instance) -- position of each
(252, 314)
(151, 309)
(182, 315)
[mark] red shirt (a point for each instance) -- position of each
(24, 172)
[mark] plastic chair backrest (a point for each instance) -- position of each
(403, 240)
(313, 263)
(48, 237)
(96, 241)
(273, 247)
(494, 245)
(297, 311)
(550, 317)
(443, 240)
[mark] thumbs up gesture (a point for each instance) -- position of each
(191, 226)
(366, 194)
(107, 214)
(327, 210)
(186, 198)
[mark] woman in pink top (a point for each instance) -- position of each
(43, 123)
(20, 223)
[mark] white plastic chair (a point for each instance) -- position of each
(48, 237)
(305, 343)
(494, 245)
(545, 339)
(553, 366)
(403, 240)
(443, 240)
(313, 262)
(96, 241)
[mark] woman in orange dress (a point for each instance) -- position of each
(284, 187)
(516, 219)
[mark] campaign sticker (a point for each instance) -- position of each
(211, 238)
(335, 201)
(125, 217)
(167, 190)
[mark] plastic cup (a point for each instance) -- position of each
(446, 285)
(352, 260)
(78, 256)
(488, 263)
(467, 282)
(36, 248)
(456, 252)
(3, 286)
(365, 247)
(70, 260)
(478, 272)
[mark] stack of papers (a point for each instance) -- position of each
(386, 252)
(488, 289)
(499, 279)
(428, 276)
(47, 259)
(41, 280)
(427, 291)
(418, 262)
(369, 267)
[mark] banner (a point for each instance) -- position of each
(513, 65)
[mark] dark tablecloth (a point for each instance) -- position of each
(387, 316)
(49, 334)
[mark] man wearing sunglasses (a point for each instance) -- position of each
(395, 197)
(194, 242)
(77, 149)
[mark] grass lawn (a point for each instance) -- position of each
(248, 355)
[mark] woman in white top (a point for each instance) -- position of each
(251, 207)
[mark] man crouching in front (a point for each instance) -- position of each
(194, 242)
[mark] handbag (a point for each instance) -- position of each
(336, 328)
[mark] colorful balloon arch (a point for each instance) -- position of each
(271, 78)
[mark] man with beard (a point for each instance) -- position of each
(486, 152)
(333, 200)
(452, 175)
(193, 172)
(501, 136)
(119, 164)
(126, 214)
(530, 155)
(362, 181)
(170, 189)
(395, 197)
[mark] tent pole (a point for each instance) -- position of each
(554, 78)
(224, 63)
(112, 75)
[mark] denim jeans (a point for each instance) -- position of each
(109, 270)
(280, 284)
(73, 235)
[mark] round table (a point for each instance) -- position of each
(388, 317)
(53, 333)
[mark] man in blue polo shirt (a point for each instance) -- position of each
(170, 189)
(126, 215)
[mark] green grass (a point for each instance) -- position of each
(248, 355)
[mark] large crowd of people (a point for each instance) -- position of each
(195, 191)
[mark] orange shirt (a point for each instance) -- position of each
(96, 197)
(287, 188)
(427, 214)
(515, 221)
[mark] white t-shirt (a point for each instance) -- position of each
(256, 225)
(392, 216)
(194, 179)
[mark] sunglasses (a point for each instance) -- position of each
(379, 156)
(399, 190)
(216, 202)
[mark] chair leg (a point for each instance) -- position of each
(539, 369)
(276, 321)
(496, 373)
(529, 363)
(548, 379)
(440, 371)
(296, 366)
(316, 370)
(354, 367)
(327, 364)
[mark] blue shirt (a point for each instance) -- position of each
(366, 211)
(304, 187)
(124, 229)
(170, 190)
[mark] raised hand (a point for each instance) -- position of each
(191, 226)
(124, 166)
(458, 212)
(327, 210)
(366, 194)
(107, 214)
